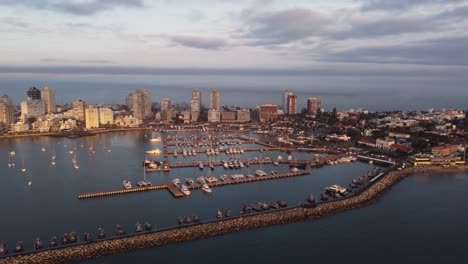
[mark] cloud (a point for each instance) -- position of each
(197, 42)
(14, 21)
(395, 5)
(447, 51)
(281, 27)
(79, 8)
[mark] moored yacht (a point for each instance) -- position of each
(206, 188)
(3, 249)
(38, 244)
(189, 181)
(201, 180)
(119, 230)
(127, 184)
(260, 173)
(153, 152)
(155, 139)
(101, 233)
(219, 214)
(138, 228)
(53, 242)
(185, 190)
(176, 182)
(311, 199)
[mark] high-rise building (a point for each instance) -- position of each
(32, 108)
(106, 116)
(214, 100)
(214, 116)
(129, 101)
(140, 103)
(79, 110)
(34, 94)
(286, 94)
(7, 111)
(48, 96)
(313, 106)
(92, 117)
(292, 105)
(195, 105)
(165, 104)
(268, 112)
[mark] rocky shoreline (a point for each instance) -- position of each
(118, 246)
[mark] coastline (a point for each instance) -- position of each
(210, 229)
(93, 132)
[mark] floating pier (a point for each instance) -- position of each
(174, 190)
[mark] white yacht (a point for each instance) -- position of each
(189, 181)
(155, 139)
(127, 184)
(276, 163)
(211, 179)
(200, 165)
(294, 169)
(12, 153)
(206, 188)
(280, 158)
(176, 181)
(336, 188)
(154, 152)
(175, 153)
(226, 165)
(201, 180)
(184, 189)
(260, 173)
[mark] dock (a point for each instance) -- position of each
(177, 193)
(174, 190)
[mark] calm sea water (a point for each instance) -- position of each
(373, 93)
(421, 219)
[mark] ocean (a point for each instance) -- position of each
(249, 91)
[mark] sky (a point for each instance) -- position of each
(419, 39)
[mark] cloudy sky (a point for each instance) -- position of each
(322, 36)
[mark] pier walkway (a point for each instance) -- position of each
(375, 159)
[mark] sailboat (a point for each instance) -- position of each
(10, 164)
(30, 181)
(144, 183)
(23, 168)
(75, 164)
(53, 158)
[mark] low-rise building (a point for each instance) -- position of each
(268, 112)
(19, 127)
(446, 150)
(214, 116)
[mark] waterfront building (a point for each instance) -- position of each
(140, 103)
(32, 108)
(214, 116)
(292, 105)
(286, 94)
(421, 160)
(78, 109)
(106, 116)
(165, 104)
(48, 96)
(33, 94)
(186, 116)
(313, 106)
(243, 115)
(7, 111)
(195, 105)
(446, 150)
(68, 124)
(268, 112)
(228, 116)
(92, 117)
(19, 127)
(214, 100)
(127, 121)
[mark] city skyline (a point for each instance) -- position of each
(395, 40)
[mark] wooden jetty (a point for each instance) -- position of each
(174, 190)
(124, 191)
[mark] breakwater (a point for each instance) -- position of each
(121, 245)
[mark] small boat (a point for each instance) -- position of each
(176, 182)
(53, 242)
(206, 188)
(3, 249)
(200, 166)
(189, 181)
(264, 206)
(246, 209)
(227, 213)
(73, 237)
(201, 180)
(138, 228)
(274, 206)
(185, 190)
(43, 149)
(119, 230)
(224, 178)
(65, 239)
(148, 226)
(260, 173)
(19, 247)
(195, 219)
(12, 153)
(87, 237)
(311, 199)
(274, 173)
(257, 208)
(294, 170)
(76, 166)
(211, 179)
(324, 197)
(276, 163)
(101, 233)
(38, 244)
(219, 214)
(226, 165)
(211, 166)
(153, 152)
(127, 184)
(187, 220)
(181, 221)
(282, 204)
